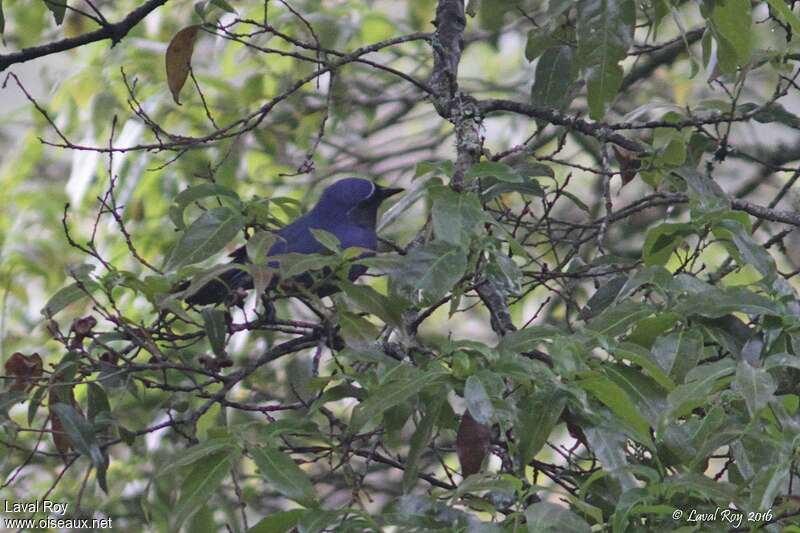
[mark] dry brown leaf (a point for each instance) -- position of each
(179, 58)
(59, 435)
(472, 444)
(26, 369)
(82, 328)
(629, 165)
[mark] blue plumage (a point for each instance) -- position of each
(348, 209)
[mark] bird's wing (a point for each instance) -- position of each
(297, 238)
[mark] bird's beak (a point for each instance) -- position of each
(386, 192)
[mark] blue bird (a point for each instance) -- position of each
(348, 209)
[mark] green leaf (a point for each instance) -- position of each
(712, 197)
(657, 276)
(785, 14)
(749, 252)
(2, 19)
(678, 352)
(294, 264)
(642, 357)
(282, 474)
(604, 32)
(773, 112)
(206, 236)
(554, 84)
(58, 8)
(280, 522)
(444, 168)
(318, 521)
(433, 268)
(768, 484)
(82, 438)
(66, 296)
(387, 395)
(703, 486)
(358, 332)
(8, 399)
(223, 5)
(455, 215)
(371, 301)
(216, 329)
(528, 187)
(259, 244)
(716, 302)
(662, 240)
(755, 385)
(699, 384)
(525, 340)
(422, 435)
(618, 318)
(200, 484)
(609, 447)
(604, 296)
(707, 437)
(782, 360)
(499, 171)
(327, 239)
(731, 24)
(203, 518)
(646, 330)
(33, 404)
(540, 40)
(197, 453)
(478, 401)
(502, 272)
(541, 412)
(616, 399)
(546, 517)
(648, 398)
(98, 401)
(192, 194)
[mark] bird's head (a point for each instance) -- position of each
(355, 198)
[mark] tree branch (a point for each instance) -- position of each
(447, 44)
(115, 32)
(460, 109)
(665, 56)
(465, 113)
(597, 130)
(759, 211)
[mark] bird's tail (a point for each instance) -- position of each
(218, 289)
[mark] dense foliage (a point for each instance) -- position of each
(584, 314)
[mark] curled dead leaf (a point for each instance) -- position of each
(628, 165)
(59, 435)
(82, 328)
(25, 369)
(472, 444)
(178, 59)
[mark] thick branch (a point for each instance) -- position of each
(115, 32)
(758, 211)
(597, 130)
(495, 301)
(447, 44)
(465, 113)
(459, 108)
(765, 213)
